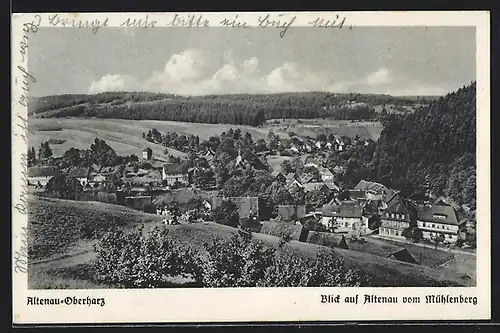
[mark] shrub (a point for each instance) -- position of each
(133, 260)
(241, 262)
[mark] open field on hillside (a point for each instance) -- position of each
(62, 234)
(275, 161)
(316, 126)
(463, 263)
(125, 137)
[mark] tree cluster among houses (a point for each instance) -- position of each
(227, 179)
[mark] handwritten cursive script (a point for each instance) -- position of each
(234, 22)
(189, 21)
(27, 28)
(320, 22)
(139, 23)
(27, 77)
(57, 20)
(21, 255)
(276, 22)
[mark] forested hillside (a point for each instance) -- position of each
(432, 149)
(242, 109)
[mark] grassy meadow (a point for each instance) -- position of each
(125, 136)
(62, 234)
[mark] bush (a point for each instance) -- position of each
(133, 260)
(289, 270)
(241, 262)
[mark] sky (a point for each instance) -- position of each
(197, 61)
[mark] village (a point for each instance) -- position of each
(369, 217)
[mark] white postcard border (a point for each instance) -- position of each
(253, 304)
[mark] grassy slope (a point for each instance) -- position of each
(55, 243)
(122, 135)
(125, 136)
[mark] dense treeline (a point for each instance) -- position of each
(47, 103)
(243, 109)
(433, 149)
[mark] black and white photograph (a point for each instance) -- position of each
(249, 156)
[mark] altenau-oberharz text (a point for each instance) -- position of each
(65, 301)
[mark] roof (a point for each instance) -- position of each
(306, 177)
(332, 186)
(350, 209)
(175, 168)
(147, 149)
(428, 214)
(441, 202)
(275, 228)
(394, 198)
(324, 171)
(377, 188)
(276, 173)
(44, 171)
(182, 196)
(79, 172)
(397, 206)
(246, 205)
(330, 210)
(327, 239)
(338, 169)
(357, 194)
(286, 212)
(378, 248)
(309, 187)
(364, 185)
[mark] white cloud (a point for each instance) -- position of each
(196, 72)
(113, 82)
(381, 76)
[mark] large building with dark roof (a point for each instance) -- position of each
(396, 218)
(40, 176)
(175, 173)
(439, 219)
(347, 216)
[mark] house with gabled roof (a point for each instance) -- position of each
(147, 153)
(175, 173)
(397, 217)
(326, 175)
(277, 175)
(439, 219)
(291, 213)
(40, 176)
(80, 173)
(375, 191)
(346, 216)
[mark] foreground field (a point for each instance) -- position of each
(62, 234)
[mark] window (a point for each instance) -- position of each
(392, 215)
(402, 216)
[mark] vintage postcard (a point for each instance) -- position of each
(238, 167)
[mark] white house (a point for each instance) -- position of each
(326, 175)
(80, 173)
(175, 173)
(40, 176)
(436, 219)
(347, 216)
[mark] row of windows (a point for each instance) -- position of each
(436, 226)
(434, 234)
(394, 224)
(395, 216)
(391, 232)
